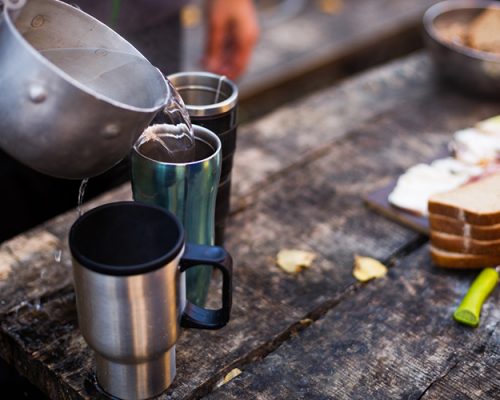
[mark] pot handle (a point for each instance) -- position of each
(200, 255)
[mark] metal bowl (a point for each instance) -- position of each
(470, 69)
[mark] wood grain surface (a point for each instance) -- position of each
(300, 174)
(392, 339)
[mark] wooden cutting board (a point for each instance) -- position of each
(377, 200)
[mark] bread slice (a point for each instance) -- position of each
(448, 259)
(439, 223)
(459, 244)
(476, 203)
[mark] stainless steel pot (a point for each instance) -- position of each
(472, 70)
(74, 94)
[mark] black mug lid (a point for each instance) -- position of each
(126, 238)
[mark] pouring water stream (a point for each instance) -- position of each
(172, 141)
(219, 86)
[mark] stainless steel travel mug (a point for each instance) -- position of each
(188, 190)
(212, 102)
(128, 262)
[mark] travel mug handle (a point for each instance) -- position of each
(199, 317)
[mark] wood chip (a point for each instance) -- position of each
(294, 261)
(6, 264)
(25, 247)
(229, 376)
(367, 268)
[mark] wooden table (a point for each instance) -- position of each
(299, 178)
(304, 44)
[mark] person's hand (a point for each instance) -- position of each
(232, 33)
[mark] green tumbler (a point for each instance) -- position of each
(188, 190)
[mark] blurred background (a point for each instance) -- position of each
(309, 44)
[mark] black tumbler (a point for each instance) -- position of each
(211, 101)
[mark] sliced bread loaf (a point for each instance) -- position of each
(460, 244)
(447, 259)
(477, 203)
(439, 223)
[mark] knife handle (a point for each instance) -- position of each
(469, 310)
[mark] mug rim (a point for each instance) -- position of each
(205, 110)
(196, 128)
(126, 270)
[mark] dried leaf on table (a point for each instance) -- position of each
(293, 261)
(366, 268)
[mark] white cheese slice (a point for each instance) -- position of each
(475, 147)
(490, 126)
(421, 181)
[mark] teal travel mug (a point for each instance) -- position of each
(188, 190)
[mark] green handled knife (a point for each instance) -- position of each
(469, 310)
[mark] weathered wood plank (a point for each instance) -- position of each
(380, 344)
(313, 203)
(299, 39)
(298, 131)
(476, 377)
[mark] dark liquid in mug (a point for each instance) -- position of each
(153, 150)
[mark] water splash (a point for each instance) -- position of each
(58, 255)
(165, 143)
(37, 304)
(172, 141)
(81, 194)
(19, 307)
(177, 114)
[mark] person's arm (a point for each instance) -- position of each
(232, 33)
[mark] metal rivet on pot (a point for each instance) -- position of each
(101, 52)
(111, 131)
(37, 93)
(38, 21)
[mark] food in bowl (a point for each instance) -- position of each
(481, 33)
(461, 37)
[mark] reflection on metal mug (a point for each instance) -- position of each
(212, 102)
(128, 262)
(189, 191)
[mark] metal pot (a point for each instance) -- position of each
(75, 95)
(472, 70)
